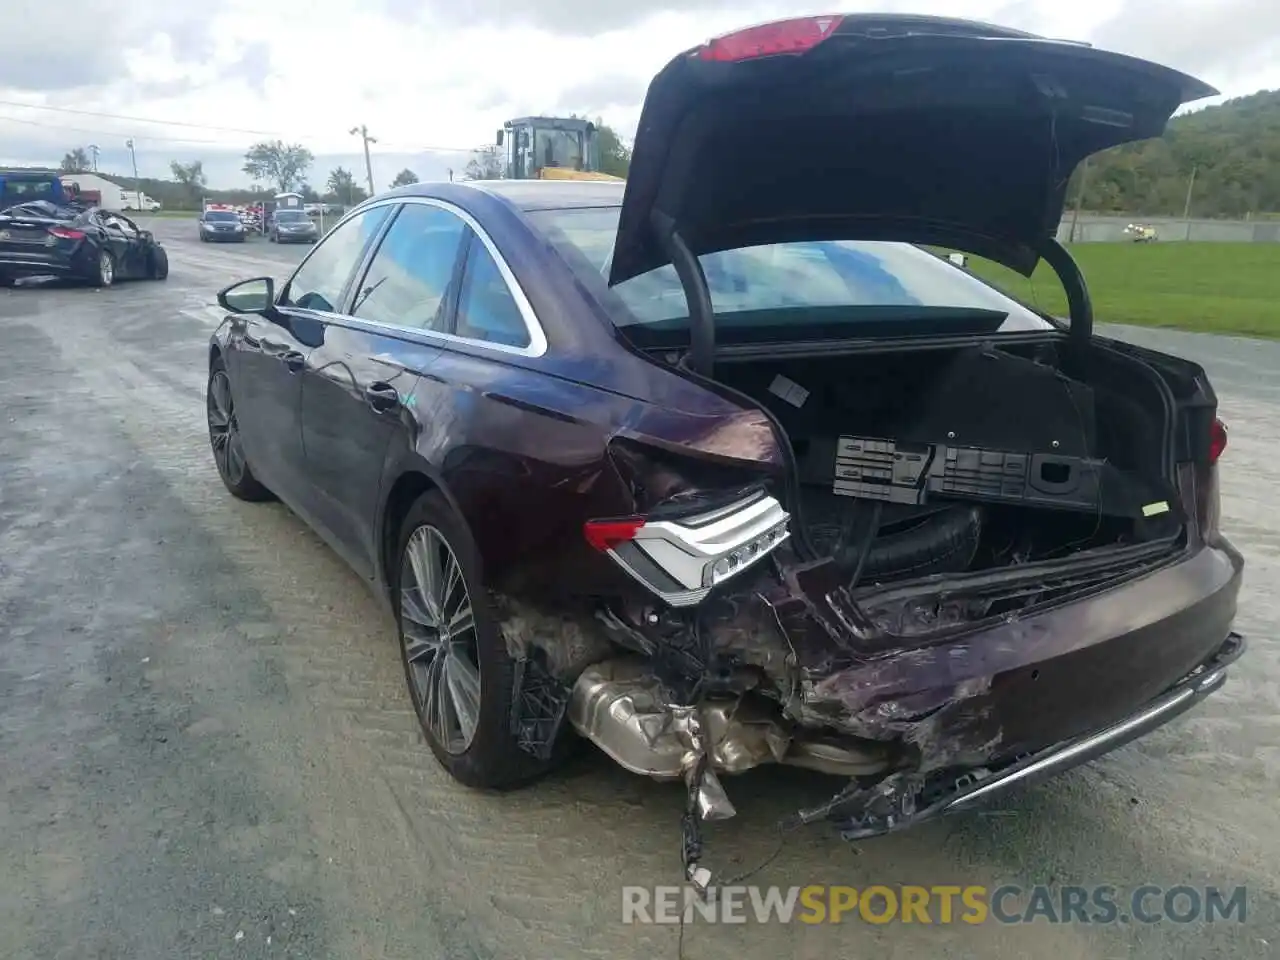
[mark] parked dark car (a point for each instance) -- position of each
(719, 468)
(293, 226)
(222, 226)
(42, 239)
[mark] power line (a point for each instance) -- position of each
(104, 133)
(118, 116)
(193, 126)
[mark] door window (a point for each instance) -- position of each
(408, 281)
(318, 283)
(486, 309)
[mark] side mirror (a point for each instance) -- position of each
(250, 296)
(499, 141)
(959, 259)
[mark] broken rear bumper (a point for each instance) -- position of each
(976, 788)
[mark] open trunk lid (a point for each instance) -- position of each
(908, 128)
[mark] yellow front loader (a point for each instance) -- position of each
(552, 148)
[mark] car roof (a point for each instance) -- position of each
(529, 195)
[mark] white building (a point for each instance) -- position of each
(109, 194)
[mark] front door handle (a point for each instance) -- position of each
(382, 396)
(293, 360)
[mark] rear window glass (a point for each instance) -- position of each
(781, 277)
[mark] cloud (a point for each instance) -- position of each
(571, 18)
(75, 43)
(597, 96)
(1221, 41)
(432, 79)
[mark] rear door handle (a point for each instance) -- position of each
(382, 396)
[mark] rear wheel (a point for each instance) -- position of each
(104, 273)
(224, 437)
(157, 263)
(459, 673)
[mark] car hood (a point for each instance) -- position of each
(918, 129)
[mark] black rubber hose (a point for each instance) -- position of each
(868, 540)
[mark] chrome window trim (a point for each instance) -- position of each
(537, 346)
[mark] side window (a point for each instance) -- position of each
(407, 283)
(486, 309)
(318, 283)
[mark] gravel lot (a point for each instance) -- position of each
(206, 749)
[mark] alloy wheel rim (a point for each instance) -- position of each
(106, 268)
(438, 634)
(224, 430)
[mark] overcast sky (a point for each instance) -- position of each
(432, 79)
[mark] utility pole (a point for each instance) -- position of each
(93, 149)
(1186, 207)
(1075, 216)
(363, 132)
(137, 184)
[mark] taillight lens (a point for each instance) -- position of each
(681, 557)
(770, 39)
(1217, 440)
(605, 535)
(66, 233)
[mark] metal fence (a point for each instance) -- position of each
(1093, 228)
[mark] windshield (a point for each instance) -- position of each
(222, 216)
(557, 148)
(783, 277)
(289, 216)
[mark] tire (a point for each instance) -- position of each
(104, 271)
(158, 263)
(6, 280)
(490, 757)
(224, 439)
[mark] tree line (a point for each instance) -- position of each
(1226, 157)
(275, 166)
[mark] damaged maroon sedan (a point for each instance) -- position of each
(726, 467)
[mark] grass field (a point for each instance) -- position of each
(1231, 288)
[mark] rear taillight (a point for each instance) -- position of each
(605, 535)
(1217, 440)
(66, 233)
(681, 557)
(770, 39)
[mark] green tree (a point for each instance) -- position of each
(342, 187)
(75, 161)
(190, 177)
(1233, 149)
(485, 164)
(278, 163)
(615, 156)
(404, 178)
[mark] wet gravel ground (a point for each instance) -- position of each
(206, 750)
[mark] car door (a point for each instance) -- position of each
(269, 356)
(118, 242)
(357, 385)
(132, 258)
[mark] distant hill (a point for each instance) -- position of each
(1233, 147)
